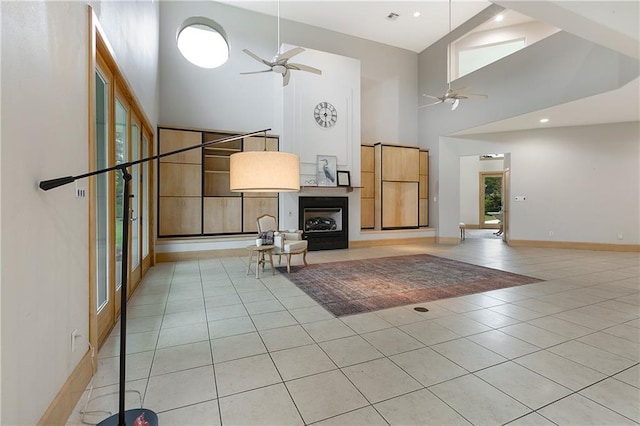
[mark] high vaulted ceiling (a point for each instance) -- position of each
(613, 24)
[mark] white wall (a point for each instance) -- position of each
(582, 183)
(44, 135)
(470, 168)
(555, 70)
(339, 85)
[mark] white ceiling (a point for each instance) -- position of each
(614, 24)
(368, 19)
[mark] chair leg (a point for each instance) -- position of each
(288, 263)
(304, 258)
(273, 270)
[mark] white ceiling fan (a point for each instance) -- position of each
(452, 96)
(280, 63)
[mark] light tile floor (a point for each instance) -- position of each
(210, 345)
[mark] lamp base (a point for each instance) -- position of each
(130, 417)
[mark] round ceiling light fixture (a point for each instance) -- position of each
(203, 42)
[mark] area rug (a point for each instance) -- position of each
(352, 287)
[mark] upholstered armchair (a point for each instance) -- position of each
(286, 243)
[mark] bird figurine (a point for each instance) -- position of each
(327, 171)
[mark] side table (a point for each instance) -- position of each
(260, 258)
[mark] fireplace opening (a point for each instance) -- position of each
(324, 221)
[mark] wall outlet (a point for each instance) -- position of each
(521, 198)
(74, 336)
(620, 236)
(551, 233)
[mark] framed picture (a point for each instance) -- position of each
(326, 170)
(344, 178)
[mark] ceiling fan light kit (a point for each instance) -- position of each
(280, 62)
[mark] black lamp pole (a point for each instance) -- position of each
(128, 417)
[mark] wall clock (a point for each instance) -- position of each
(325, 114)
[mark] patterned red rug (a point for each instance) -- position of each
(353, 287)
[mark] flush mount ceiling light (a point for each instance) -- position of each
(544, 120)
(203, 42)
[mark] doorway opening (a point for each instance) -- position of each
(491, 206)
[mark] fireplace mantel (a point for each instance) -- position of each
(314, 188)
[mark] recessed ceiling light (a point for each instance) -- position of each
(416, 14)
(499, 18)
(544, 120)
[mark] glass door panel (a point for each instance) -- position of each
(144, 210)
(121, 156)
(136, 199)
(104, 299)
(490, 200)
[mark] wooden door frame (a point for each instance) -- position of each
(101, 52)
(135, 273)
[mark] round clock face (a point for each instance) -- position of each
(325, 114)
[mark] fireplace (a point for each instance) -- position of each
(325, 222)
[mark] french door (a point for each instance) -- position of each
(120, 136)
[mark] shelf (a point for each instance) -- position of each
(347, 188)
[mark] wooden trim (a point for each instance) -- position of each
(241, 252)
(576, 245)
(67, 398)
(91, 139)
(391, 242)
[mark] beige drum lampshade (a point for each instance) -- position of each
(264, 171)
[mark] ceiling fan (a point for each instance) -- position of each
(280, 62)
(452, 96)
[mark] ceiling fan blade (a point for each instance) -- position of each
(301, 67)
(432, 97)
(428, 105)
(453, 92)
(476, 95)
(289, 54)
(256, 57)
(455, 104)
(255, 72)
(285, 78)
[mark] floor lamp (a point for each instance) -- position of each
(260, 171)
